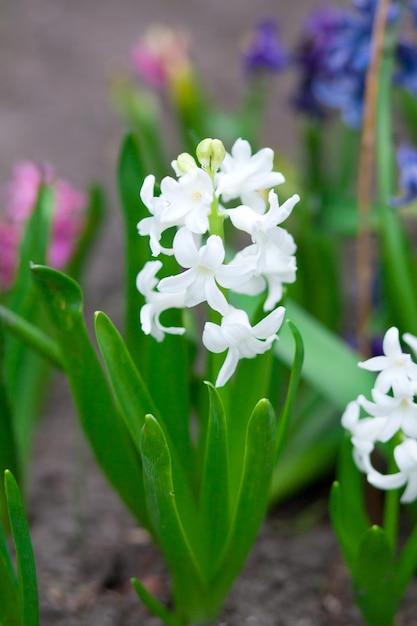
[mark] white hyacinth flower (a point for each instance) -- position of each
(153, 226)
(391, 413)
(405, 455)
(188, 200)
(365, 433)
(397, 370)
(243, 175)
(263, 227)
(240, 339)
(157, 303)
(204, 265)
(400, 411)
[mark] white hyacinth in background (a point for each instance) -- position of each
(194, 207)
(390, 417)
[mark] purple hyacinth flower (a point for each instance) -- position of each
(407, 165)
(340, 60)
(320, 28)
(406, 74)
(265, 51)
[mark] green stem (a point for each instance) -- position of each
(215, 218)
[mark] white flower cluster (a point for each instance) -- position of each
(391, 416)
(190, 212)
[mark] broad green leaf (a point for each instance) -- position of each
(100, 419)
(128, 386)
(251, 382)
(252, 499)
(214, 494)
(28, 590)
(155, 607)
(330, 366)
(135, 402)
(188, 580)
(372, 578)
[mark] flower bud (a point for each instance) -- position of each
(185, 163)
(211, 153)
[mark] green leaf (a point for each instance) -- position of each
(100, 419)
(131, 175)
(9, 452)
(339, 385)
(250, 383)
(22, 300)
(214, 494)
(297, 365)
(372, 578)
(9, 593)
(164, 366)
(406, 565)
(252, 498)
(188, 580)
(155, 607)
(135, 402)
(28, 590)
(128, 386)
(31, 336)
(347, 505)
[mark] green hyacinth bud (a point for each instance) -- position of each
(186, 163)
(211, 153)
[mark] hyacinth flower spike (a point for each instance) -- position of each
(197, 474)
(386, 426)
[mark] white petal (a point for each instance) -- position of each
(270, 324)
(391, 343)
(212, 254)
(410, 492)
(350, 416)
(228, 368)
(174, 284)
(388, 481)
(213, 338)
(185, 249)
(147, 191)
(215, 297)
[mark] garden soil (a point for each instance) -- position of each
(57, 60)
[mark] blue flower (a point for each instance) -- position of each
(335, 59)
(264, 51)
(406, 76)
(407, 165)
(310, 57)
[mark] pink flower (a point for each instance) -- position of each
(161, 56)
(20, 196)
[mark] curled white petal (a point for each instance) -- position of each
(236, 335)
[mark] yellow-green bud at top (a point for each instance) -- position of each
(211, 153)
(186, 163)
